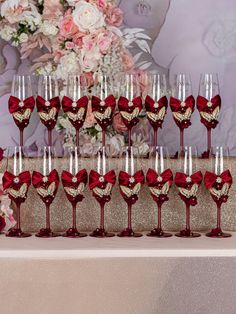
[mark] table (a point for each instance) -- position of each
(118, 276)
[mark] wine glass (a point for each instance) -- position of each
(156, 101)
(103, 103)
(208, 105)
(218, 182)
(159, 179)
(75, 102)
(74, 179)
(188, 182)
(101, 182)
(131, 178)
(16, 181)
(48, 103)
(46, 182)
(182, 103)
(130, 101)
(21, 102)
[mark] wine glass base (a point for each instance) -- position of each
(129, 233)
(218, 233)
(46, 233)
(101, 233)
(17, 233)
(159, 233)
(187, 234)
(74, 233)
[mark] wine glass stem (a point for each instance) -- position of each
(21, 138)
(18, 224)
(129, 216)
(181, 138)
(103, 138)
(187, 217)
(159, 216)
(74, 216)
(218, 217)
(77, 138)
(208, 140)
(129, 138)
(49, 137)
(155, 137)
(47, 216)
(102, 216)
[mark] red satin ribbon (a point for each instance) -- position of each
(149, 105)
(67, 104)
(8, 180)
(96, 106)
(95, 181)
(152, 177)
(175, 105)
(41, 107)
(123, 105)
(67, 178)
(203, 107)
(210, 178)
(13, 104)
(124, 178)
(181, 179)
(37, 179)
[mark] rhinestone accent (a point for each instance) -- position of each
(156, 105)
(130, 104)
(102, 103)
(209, 104)
(218, 180)
(74, 104)
(188, 179)
(47, 103)
(45, 179)
(159, 179)
(132, 180)
(74, 179)
(21, 104)
(16, 180)
(101, 179)
(182, 104)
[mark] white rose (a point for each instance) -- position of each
(87, 17)
(89, 60)
(7, 32)
(68, 65)
(48, 29)
(23, 38)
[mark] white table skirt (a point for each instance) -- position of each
(123, 276)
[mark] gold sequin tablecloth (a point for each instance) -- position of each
(203, 216)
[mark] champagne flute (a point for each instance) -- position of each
(74, 179)
(156, 101)
(131, 178)
(103, 103)
(16, 181)
(101, 182)
(130, 101)
(48, 103)
(75, 102)
(218, 182)
(182, 103)
(188, 182)
(209, 104)
(159, 179)
(21, 102)
(46, 182)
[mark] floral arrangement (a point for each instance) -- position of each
(71, 37)
(7, 220)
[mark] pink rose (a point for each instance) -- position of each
(89, 78)
(89, 42)
(78, 39)
(104, 41)
(115, 16)
(89, 120)
(118, 124)
(67, 27)
(51, 8)
(127, 60)
(70, 45)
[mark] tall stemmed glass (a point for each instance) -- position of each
(75, 102)
(130, 101)
(131, 178)
(16, 181)
(101, 181)
(48, 103)
(159, 179)
(74, 179)
(156, 101)
(103, 103)
(46, 183)
(218, 182)
(21, 102)
(208, 105)
(188, 182)
(182, 103)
